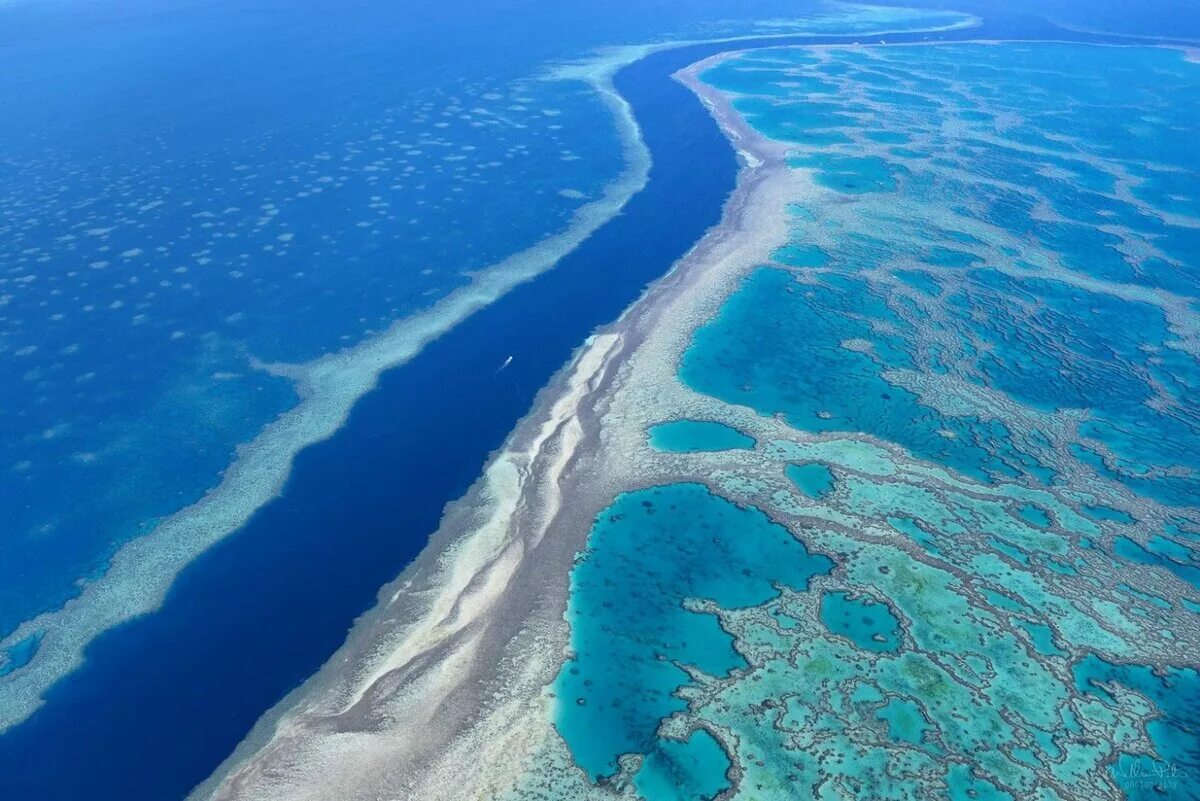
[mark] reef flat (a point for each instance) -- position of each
(978, 324)
(948, 550)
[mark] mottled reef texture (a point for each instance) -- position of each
(951, 303)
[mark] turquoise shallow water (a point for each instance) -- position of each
(690, 770)
(1176, 694)
(1019, 332)
(651, 552)
(796, 380)
(983, 337)
(865, 621)
(1049, 355)
(688, 436)
(814, 479)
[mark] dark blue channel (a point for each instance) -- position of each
(162, 700)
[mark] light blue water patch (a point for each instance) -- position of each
(1009, 550)
(1171, 489)
(1060, 567)
(1000, 600)
(949, 257)
(1102, 512)
(799, 255)
(761, 77)
(647, 554)
(694, 770)
(923, 282)
(1165, 546)
(792, 122)
(963, 785)
(1041, 635)
(691, 436)
(813, 478)
(887, 137)
(1181, 529)
(1034, 515)
(852, 175)
(909, 100)
(909, 527)
(905, 723)
(1161, 603)
(864, 621)
(20, 653)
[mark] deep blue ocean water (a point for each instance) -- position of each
(125, 351)
(189, 187)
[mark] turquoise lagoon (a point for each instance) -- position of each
(689, 436)
(983, 336)
(814, 479)
(651, 552)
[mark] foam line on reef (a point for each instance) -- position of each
(142, 570)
